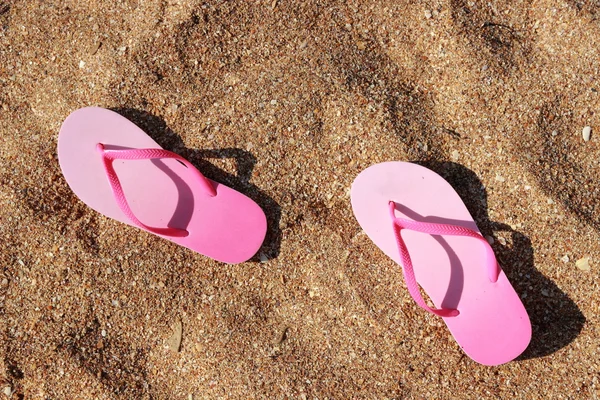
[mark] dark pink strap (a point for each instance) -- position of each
(108, 156)
(435, 229)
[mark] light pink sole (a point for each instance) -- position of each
(493, 326)
(229, 227)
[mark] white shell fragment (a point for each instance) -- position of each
(587, 132)
(583, 264)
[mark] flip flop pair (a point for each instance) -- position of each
(409, 211)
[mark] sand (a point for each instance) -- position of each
(287, 101)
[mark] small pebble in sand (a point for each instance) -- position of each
(282, 335)
(8, 391)
(565, 258)
(427, 14)
(263, 258)
(81, 64)
(174, 341)
(587, 132)
(583, 264)
(455, 155)
(96, 46)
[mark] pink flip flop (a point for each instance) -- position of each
(119, 171)
(420, 222)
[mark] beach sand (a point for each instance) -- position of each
(287, 101)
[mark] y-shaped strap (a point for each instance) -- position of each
(108, 156)
(434, 229)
